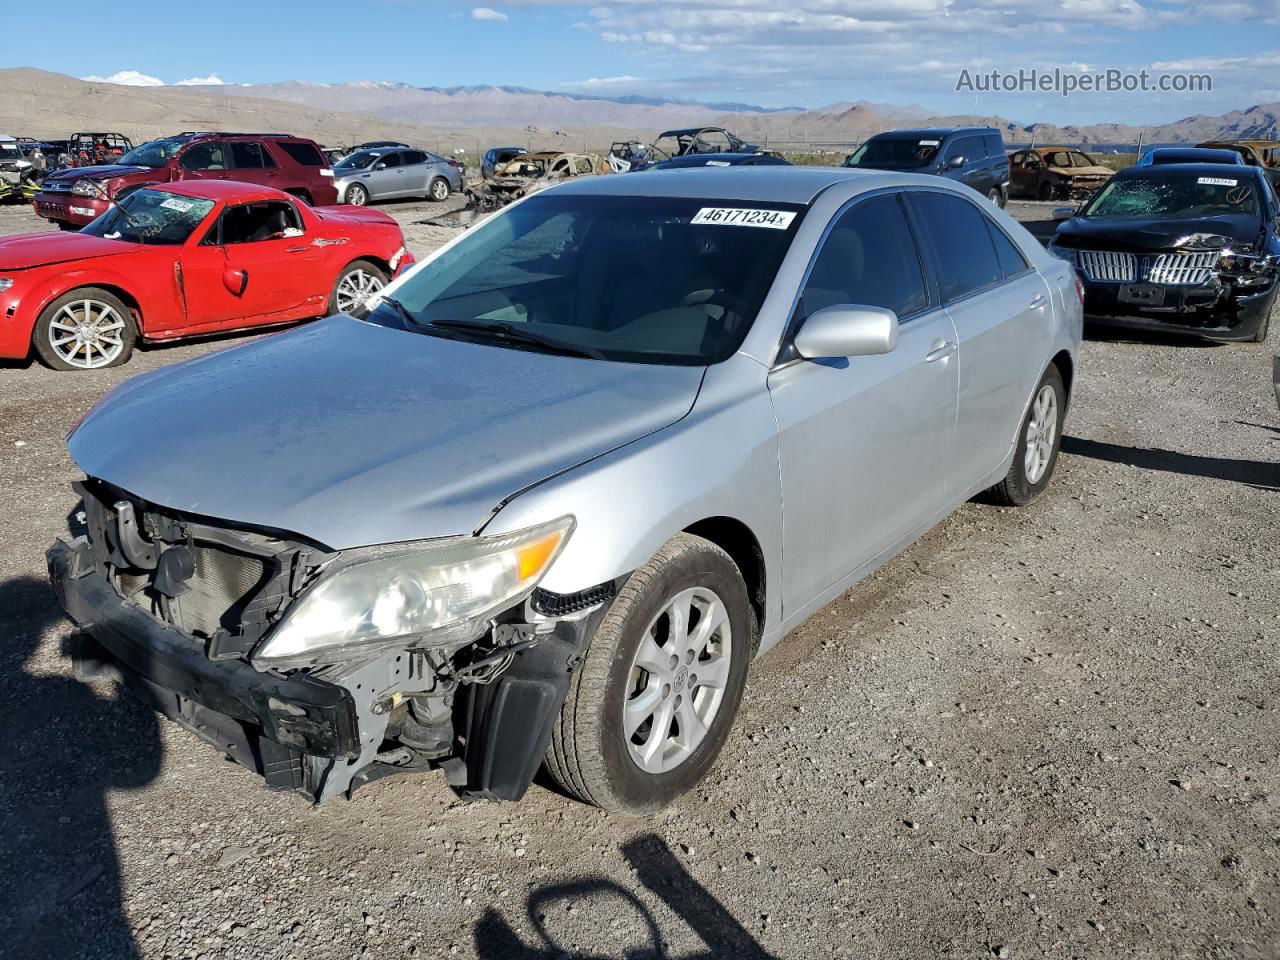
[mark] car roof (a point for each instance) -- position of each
(766, 184)
(930, 132)
(1206, 152)
(1171, 170)
(225, 190)
(1054, 149)
(700, 159)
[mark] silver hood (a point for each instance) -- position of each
(353, 434)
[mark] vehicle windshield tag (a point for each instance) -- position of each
(1217, 182)
(717, 163)
(173, 203)
(740, 217)
(929, 143)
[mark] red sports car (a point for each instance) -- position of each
(188, 259)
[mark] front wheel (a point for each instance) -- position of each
(996, 196)
(85, 329)
(440, 189)
(355, 286)
(652, 704)
(1036, 452)
(1046, 191)
(357, 195)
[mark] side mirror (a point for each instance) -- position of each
(955, 162)
(847, 330)
(1063, 213)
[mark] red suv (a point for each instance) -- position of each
(72, 198)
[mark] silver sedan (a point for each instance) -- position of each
(567, 478)
(388, 173)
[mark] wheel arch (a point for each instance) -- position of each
(743, 547)
(1066, 368)
(111, 287)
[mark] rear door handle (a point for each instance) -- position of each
(941, 350)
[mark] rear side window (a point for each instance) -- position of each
(414, 156)
(869, 258)
(961, 243)
(249, 155)
(306, 154)
(1010, 258)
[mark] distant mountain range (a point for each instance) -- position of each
(43, 104)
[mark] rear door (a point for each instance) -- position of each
(864, 442)
(418, 172)
(1000, 308)
(251, 163)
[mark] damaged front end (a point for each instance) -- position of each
(324, 670)
(1203, 283)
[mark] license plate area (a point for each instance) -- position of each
(1142, 294)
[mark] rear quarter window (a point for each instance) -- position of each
(305, 154)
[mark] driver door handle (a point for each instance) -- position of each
(295, 249)
(941, 350)
(1038, 300)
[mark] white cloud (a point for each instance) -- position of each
(597, 83)
(128, 78)
(212, 80)
(487, 13)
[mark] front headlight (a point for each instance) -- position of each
(412, 595)
(87, 188)
(5, 283)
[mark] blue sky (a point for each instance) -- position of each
(802, 52)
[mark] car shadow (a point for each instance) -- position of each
(661, 873)
(65, 747)
(1101, 333)
(1262, 475)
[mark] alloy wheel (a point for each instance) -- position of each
(355, 288)
(357, 196)
(1042, 431)
(87, 334)
(439, 190)
(677, 680)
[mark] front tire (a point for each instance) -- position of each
(1046, 191)
(355, 286)
(84, 329)
(1039, 440)
(439, 190)
(357, 195)
(652, 705)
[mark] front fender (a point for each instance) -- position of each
(719, 461)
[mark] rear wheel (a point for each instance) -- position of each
(302, 195)
(440, 189)
(654, 700)
(1039, 439)
(357, 195)
(85, 329)
(996, 196)
(356, 284)
(1046, 191)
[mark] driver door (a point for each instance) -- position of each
(255, 265)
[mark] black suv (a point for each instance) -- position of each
(973, 155)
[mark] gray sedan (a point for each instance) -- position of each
(567, 478)
(387, 173)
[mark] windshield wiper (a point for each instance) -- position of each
(400, 310)
(514, 334)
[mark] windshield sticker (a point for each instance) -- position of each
(173, 203)
(739, 217)
(929, 143)
(718, 163)
(1217, 182)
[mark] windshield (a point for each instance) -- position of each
(895, 154)
(154, 154)
(1181, 196)
(636, 279)
(360, 160)
(151, 216)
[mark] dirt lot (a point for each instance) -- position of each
(1040, 733)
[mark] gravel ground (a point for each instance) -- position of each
(1039, 733)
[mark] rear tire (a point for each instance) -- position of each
(591, 755)
(84, 329)
(357, 282)
(996, 196)
(302, 195)
(439, 190)
(1032, 469)
(1046, 191)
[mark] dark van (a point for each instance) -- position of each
(973, 155)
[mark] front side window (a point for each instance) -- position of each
(387, 161)
(968, 147)
(151, 217)
(634, 279)
(257, 222)
(869, 258)
(957, 231)
(204, 156)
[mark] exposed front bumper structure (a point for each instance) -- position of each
(1207, 310)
